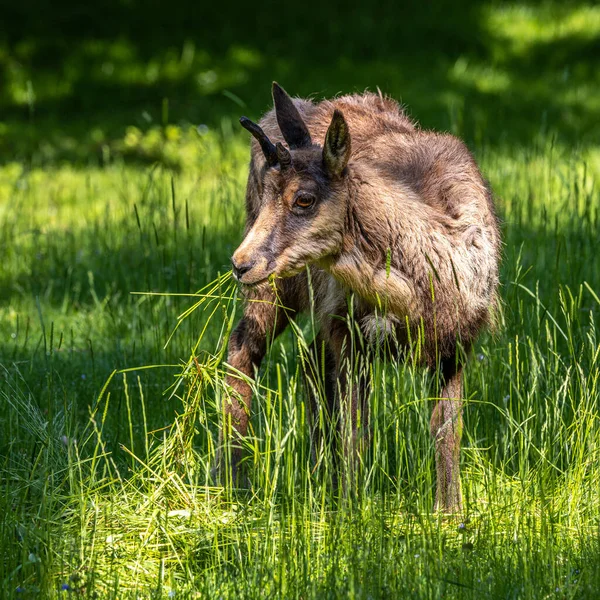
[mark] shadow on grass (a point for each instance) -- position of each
(74, 76)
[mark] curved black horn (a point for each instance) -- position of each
(290, 122)
(265, 143)
(284, 156)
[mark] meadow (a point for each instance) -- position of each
(122, 177)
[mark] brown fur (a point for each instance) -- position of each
(402, 219)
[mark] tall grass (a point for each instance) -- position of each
(112, 383)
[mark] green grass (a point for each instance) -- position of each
(116, 228)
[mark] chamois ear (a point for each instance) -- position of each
(336, 151)
(293, 128)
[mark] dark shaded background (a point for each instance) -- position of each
(73, 75)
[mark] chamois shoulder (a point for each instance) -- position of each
(370, 115)
(447, 175)
(438, 167)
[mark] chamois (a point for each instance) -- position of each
(363, 202)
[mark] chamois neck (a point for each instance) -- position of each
(382, 217)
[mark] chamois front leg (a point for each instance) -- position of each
(446, 429)
(352, 398)
(321, 383)
(264, 318)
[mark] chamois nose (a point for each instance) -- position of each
(240, 268)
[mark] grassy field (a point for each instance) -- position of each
(122, 174)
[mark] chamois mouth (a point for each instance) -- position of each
(246, 280)
(253, 284)
(274, 273)
(252, 272)
(274, 269)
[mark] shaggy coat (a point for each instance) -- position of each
(352, 193)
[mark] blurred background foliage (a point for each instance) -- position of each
(140, 79)
(122, 165)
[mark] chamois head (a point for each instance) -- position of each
(304, 198)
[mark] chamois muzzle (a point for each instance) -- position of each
(239, 269)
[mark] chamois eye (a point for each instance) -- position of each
(304, 200)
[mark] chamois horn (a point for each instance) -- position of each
(284, 156)
(265, 143)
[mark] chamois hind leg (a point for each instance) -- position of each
(446, 429)
(264, 319)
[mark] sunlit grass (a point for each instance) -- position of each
(521, 26)
(116, 303)
(111, 399)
